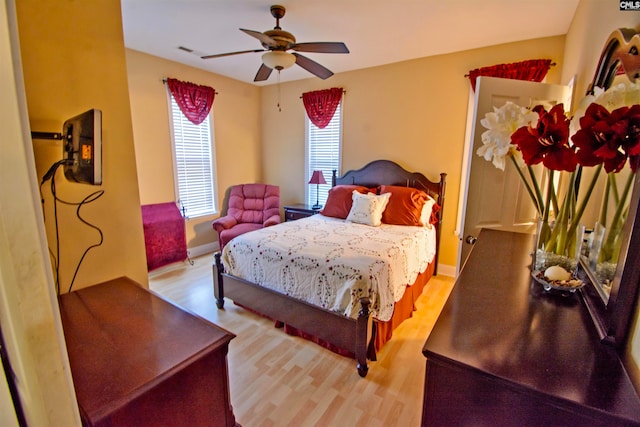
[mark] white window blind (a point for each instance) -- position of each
(194, 156)
(324, 148)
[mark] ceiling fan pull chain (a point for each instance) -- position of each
(279, 109)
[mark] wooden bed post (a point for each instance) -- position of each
(441, 189)
(364, 337)
(218, 288)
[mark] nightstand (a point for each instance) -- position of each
(293, 212)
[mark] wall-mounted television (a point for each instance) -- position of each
(82, 147)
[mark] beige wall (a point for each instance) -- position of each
(236, 116)
(31, 327)
(69, 69)
(412, 112)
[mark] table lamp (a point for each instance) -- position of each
(317, 178)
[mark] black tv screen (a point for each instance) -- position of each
(82, 148)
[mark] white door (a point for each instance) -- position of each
(7, 410)
(490, 197)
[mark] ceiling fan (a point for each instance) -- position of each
(277, 42)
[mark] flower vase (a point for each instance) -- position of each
(594, 244)
(556, 256)
(602, 265)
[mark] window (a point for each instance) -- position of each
(194, 156)
(324, 152)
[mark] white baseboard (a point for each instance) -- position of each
(447, 270)
(194, 252)
(209, 248)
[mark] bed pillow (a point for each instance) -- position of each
(340, 200)
(405, 205)
(428, 214)
(429, 211)
(367, 208)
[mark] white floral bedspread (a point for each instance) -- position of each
(332, 263)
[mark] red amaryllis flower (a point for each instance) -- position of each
(548, 142)
(609, 138)
(631, 144)
(597, 141)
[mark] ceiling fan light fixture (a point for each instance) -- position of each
(278, 60)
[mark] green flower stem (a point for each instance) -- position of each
(545, 230)
(608, 247)
(617, 243)
(532, 174)
(550, 195)
(556, 242)
(536, 202)
(614, 186)
(605, 205)
(565, 216)
(554, 198)
(562, 239)
(575, 221)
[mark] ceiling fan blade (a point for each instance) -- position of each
(321, 47)
(220, 55)
(263, 73)
(264, 39)
(313, 67)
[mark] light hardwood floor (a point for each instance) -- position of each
(278, 380)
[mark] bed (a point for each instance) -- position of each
(353, 329)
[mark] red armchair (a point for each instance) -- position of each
(251, 207)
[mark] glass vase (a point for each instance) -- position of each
(561, 248)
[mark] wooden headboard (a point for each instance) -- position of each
(386, 172)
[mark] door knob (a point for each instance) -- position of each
(470, 240)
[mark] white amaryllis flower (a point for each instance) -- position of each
(501, 123)
(620, 95)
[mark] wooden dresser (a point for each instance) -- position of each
(138, 360)
(505, 353)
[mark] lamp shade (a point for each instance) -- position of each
(317, 178)
(278, 60)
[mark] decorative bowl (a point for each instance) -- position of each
(570, 285)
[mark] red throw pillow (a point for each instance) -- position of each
(433, 218)
(340, 200)
(405, 205)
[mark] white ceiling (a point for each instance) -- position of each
(376, 32)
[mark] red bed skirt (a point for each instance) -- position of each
(402, 310)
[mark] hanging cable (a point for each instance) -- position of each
(50, 175)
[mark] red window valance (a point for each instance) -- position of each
(194, 100)
(321, 105)
(533, 70)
